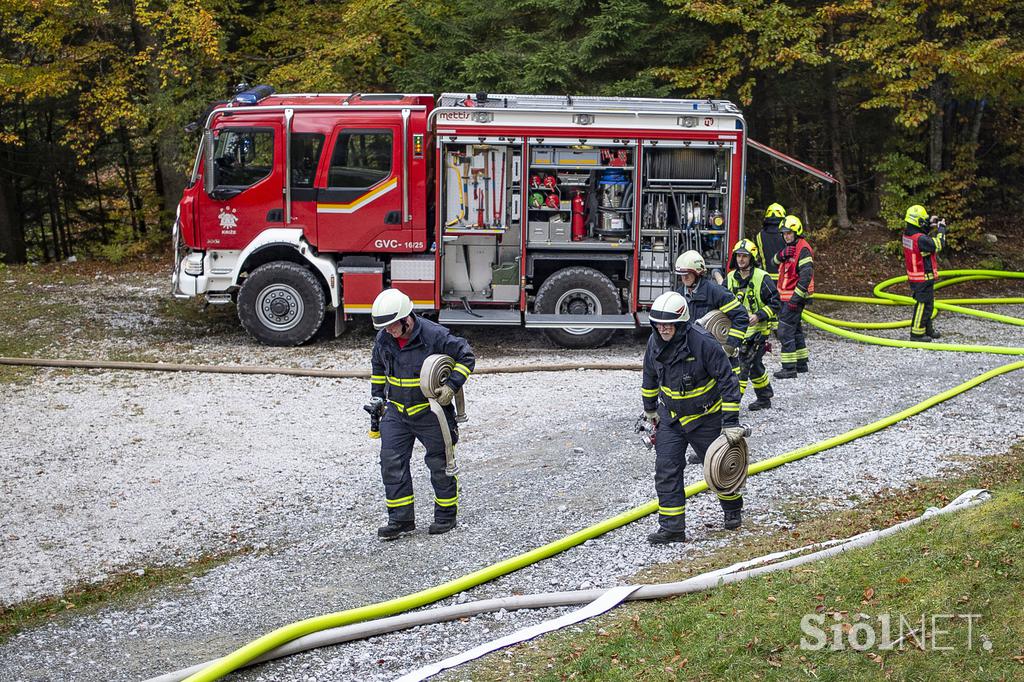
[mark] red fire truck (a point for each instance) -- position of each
(562, 213)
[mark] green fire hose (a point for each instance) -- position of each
(250, 651)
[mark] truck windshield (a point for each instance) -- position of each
(242, 156)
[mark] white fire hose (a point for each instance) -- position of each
(433, 375)
(725, 465)
(717, 324)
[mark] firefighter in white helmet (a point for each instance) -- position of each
(403, 342)
(692, 395)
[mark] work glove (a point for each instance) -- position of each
(652, 416)
(729, 349)
(445, 395)
(734, 434)
(787, 253)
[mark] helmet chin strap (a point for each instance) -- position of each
(406, 325)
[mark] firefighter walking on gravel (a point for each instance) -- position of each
(692, 396)
(919, 251)
(796, 286)
(752, 285)
(403, 342)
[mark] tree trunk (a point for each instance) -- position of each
(12, 229)
(836, 142)
(938, 95)
(975, 133)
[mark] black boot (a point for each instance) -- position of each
(441, 526)
(664, 537)
(760, 404)
(930, 331)
(801, 368)
(694, 458)
(786, 373)
(923, 338)
(396, 529)
(733, 519)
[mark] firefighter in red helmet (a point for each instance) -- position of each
(919, 251)
(796, 286)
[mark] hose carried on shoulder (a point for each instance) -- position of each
(433, 375)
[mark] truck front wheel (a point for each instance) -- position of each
(578, 291)
(281, 304)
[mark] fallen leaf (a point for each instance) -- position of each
(904, 580)
(869, 593)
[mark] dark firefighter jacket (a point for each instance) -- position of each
(693, 376)
(396, 371)
(708, 295)
(769, 242)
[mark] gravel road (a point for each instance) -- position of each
(103, 472)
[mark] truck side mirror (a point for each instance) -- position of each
(209, 168)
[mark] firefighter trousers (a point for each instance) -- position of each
(791, 336)
(670, 447)
(924, 302)
(398, 433)
(756, 373)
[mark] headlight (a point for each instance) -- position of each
(194, 263)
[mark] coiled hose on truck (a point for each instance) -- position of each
(264, 646)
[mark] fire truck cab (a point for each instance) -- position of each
(561, 213)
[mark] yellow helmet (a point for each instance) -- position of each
(917, 215)
(775, 211)
(745, 246)
(792, 224)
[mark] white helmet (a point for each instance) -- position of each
(690, 261)
(391, 305)
(669, 308)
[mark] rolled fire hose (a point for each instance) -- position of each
(717, 324)
(214, 670)
(725, 465)
(433, 375)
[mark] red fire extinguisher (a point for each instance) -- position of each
(578, 230)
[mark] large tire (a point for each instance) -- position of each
(281, 304)
(578, 291)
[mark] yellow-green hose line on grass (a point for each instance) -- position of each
(283, 635)
(287, 633)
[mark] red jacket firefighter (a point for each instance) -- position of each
(919, 254)
(796, 286)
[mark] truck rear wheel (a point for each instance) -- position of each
(281, 304)
(578, 291)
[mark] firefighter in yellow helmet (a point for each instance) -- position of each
(404, 340)
(919, 251)
(796, 286)
(769, 239)
(757, 291)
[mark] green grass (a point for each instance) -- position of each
(118, 589)
(964, 563)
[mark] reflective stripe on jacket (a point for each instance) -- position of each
(708, 295)
(395, 371)
(691, 377)
(919, 253)
(796, 275)
(759, 295)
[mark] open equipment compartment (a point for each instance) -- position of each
(480, 204)
(684, 205)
